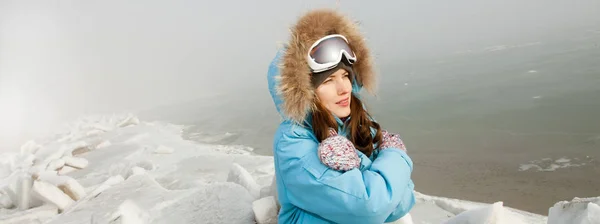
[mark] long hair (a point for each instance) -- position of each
(359, 127)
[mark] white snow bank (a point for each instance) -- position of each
(195, 183)
(478, 210)
(579, 210)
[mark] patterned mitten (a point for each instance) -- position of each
(338, 153)
(391, 140)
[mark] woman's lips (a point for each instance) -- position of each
(344, 102)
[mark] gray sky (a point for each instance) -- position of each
(60, 59)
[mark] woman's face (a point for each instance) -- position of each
(334, 93)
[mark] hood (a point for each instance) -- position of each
(289, 76)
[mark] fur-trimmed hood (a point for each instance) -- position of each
(292, 90)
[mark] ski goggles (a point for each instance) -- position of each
(327, 52)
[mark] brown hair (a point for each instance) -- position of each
(359, 127)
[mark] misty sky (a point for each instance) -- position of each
(60, 59)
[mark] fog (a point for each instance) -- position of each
(62, 59)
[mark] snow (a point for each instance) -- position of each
(239, 175)
(579, 210)
(34, 215)
(265, 210)
(163, 150)
(130, 213)
(75, 162)
(120, 169)
(5, 201)
(51, 194)
(56, 164)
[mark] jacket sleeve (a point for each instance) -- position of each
(354, 196)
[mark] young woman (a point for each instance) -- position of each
(333, 162)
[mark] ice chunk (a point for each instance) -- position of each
(577, 211)
(94, 132)
(35, 215)
(136, 170)
(239, 175)
(72, 188)
(66, 169)
(130, 120)
(163, 150)
(30, 147)
(55, 164)
(24, 190)
(490, 214)
(107, 184)
(51, 194)
(147, 165)
(131, 213)
(47, 154)
(270, 190)
(103, 144)
(76, 162)
(5, 201)
(265, 210)
(76, 148)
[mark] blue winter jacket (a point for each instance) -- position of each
(310, 192)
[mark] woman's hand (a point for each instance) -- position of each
(391, 140)
(338, 153)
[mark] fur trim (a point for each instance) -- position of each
(295, 82)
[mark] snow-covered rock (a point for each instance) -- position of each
(579, 211)
(239, 175)
(52, 194)
(265, 210)
(76, 162)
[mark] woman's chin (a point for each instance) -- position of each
(342, 113)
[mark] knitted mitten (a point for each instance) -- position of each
(391, 140)
(338, 153)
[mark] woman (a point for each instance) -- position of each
(333, 163)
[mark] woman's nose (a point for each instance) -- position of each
(343, 87)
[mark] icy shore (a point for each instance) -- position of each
(117, 169)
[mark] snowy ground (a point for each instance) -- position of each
(117, 169)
